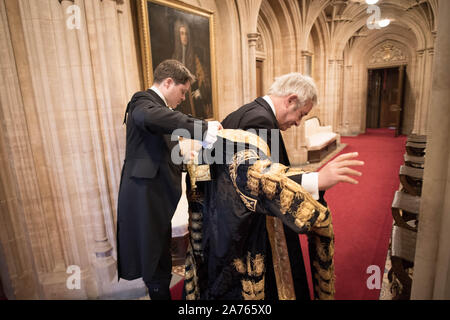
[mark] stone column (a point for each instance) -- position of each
(307, 67)
(337, 127)
(348, 118)
(334, 92)
(252, 42)
(248, 11)
(432, 261)
(328, 108)
(426, 90)
(418, 90)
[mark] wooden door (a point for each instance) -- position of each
(391, 98)
(385, 98)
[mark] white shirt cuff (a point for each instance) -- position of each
(211, 134)
(310, 182)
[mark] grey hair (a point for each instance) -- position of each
(298, 84)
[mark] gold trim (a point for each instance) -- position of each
(253, 267)
(242, 136)
(280, 258)
(191, 277)
(295, 172)
(144, 35)
(239, 266)
(250, 203)
(270, 180)
(238, 159)
(286, 198)
(203, 173)
(252, 290)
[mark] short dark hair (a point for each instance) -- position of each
(172, 69)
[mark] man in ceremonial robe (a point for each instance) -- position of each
(253, 209)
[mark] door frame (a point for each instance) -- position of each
(402, 93)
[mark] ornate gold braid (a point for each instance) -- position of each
(267, 180)
(271, 181)
(194, 254)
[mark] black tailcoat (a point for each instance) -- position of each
(150, 186)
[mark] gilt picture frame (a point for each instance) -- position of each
(175, 30)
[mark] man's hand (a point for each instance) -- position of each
(338, 171)
(214, 125)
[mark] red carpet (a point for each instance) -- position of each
(177, 290)
(361, 214)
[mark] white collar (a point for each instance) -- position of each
(154, 88)
(270, 102)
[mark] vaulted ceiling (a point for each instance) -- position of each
(340, 23)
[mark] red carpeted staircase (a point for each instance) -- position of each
(361, 214)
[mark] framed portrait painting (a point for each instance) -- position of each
(175, 30)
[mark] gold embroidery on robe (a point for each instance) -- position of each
(239, 265)
(265, 179)
(238, 159)
(251, 269)
(286, 198)
(191, 278)
(252, 290)
(308, 213)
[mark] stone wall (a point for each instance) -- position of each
(63, 93)
(432, 260)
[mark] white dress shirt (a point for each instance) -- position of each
(310, 181)
(154, 88)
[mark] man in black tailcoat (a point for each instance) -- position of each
(150, 186)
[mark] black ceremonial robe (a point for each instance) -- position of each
(150, 186)
(238, 248)
(258, 115)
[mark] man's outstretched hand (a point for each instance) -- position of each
(338, 171)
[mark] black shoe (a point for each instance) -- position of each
(159, 291)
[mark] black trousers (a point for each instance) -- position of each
(159, 285)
